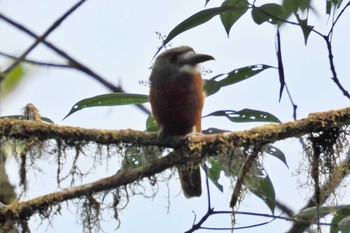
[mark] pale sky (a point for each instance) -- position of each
(117, 40)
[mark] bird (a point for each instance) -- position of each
(177, 98)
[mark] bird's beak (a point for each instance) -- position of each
(195, 58)
(199, 58)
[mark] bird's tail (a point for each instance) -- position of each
(190, 178)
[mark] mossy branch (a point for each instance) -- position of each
(270, 133)
(25, 209)
(208, 145)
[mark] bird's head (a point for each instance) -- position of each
(177, 60)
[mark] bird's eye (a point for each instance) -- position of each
(174, 58)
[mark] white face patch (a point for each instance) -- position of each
(187, 55)
(189, 68)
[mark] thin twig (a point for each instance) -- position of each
(283, 82)
(72, 62)
(207, 185)
(295, 107)
(201, 221)
(327, 40)
(269, 216)
(39, 63)
(43, 37)
(330, 54)
(286, 21)
(338, 17)
(332, 67)
(211, 212)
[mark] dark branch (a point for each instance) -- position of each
(46, 34)
(338, 17)
(72, 62)
(39, 63)
(23, 210)
(274, 217)
(24, 129)
(332, 67)
(270, 133)
(285, 20)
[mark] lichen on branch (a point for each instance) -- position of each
(204, 145)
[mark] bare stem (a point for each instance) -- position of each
(43, 37)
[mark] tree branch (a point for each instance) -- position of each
(23, 210)
(269, 133)
(208, 145)
(338, 17)
(46, 34)
(72, 62)
(332, 67)
(39, 63)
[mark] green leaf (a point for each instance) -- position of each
(303, 5)
(289, 7)
(307, 29)
(344, 225)
(270, 12)
(22, 117)
(112, 99)
(243, 73)
(133, 158)
(12, 79)
(151, 124)
(294, 7)
(246, 115)
(212, 86)
(194, 21)
(337, 3)
(274, 151)
(214, 171)
(228, 18)
(332, 4)
(314, 212)
(328, 7)
(262, 187)
(337, 222)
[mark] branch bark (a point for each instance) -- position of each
(208, 145)
(23, 210)
(269, 133)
